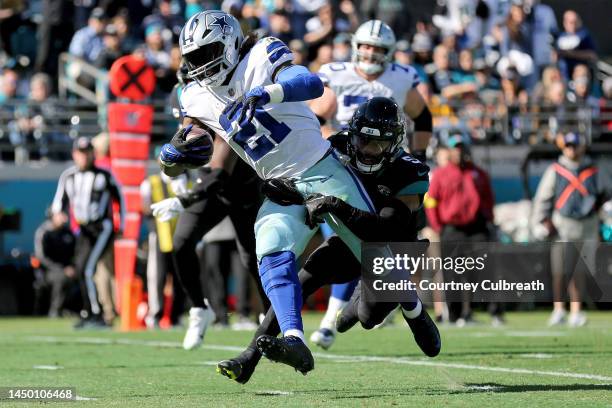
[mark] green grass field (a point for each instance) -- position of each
(521, 365)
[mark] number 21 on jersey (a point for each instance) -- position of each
(255, 146)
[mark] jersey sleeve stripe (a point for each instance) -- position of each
(276, 50)
(419, 187)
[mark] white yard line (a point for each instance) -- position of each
(536, 355)
(47, 367)
(80, 398)
(327, 356)
(273, 392)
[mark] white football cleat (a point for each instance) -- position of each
(199, 320)
(556, 318)
(578, 319)
(323, 338)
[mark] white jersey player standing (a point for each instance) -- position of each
(348, 84)
(251, 95)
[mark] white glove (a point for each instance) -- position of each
(167, 209)
(179, 184)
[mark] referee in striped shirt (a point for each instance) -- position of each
(87, 192)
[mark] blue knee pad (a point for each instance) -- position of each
(279, 278)
(344, 291)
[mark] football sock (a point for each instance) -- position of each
(411, 309)
(280, 282)
(333, 307)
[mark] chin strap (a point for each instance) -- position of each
(370, 68)
(368, 168)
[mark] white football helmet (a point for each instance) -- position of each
(378, 34)
(210, 41)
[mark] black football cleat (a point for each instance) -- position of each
(241, 368)
(425, 333)
(288, 350)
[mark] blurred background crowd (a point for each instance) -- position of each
(498, 71)
(499, 75)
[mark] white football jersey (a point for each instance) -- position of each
(283, 140)
(352, 89)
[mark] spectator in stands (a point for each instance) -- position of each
(441, 75)
(112, 48)
(550, 75)
(459, 206)
(515, 41)
(552, 111)
(514, 107)
(155, 50)
(441, 80)
(324, 56)
(122, 25)
(422, 45)
(280, 25)
(469, 20)
(8, 86)
(396, 13)
(323, 27)
(300, 52)
(565, 210)
(53, 35)
(517, 30)
(342, 48)
(403, 53)
(54, 248)
(192, 7)
(580, 87)
(542, 19)
(450, 42)
(244, 12)
(465, 72)
(574, 45)
(87, 42)
(10, 20)
(167, 18)
(485, 80)
(421, 60)
(166, 78)
(38, 121)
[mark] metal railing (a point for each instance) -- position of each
(30, 131)
(79, 77)
(39, 131)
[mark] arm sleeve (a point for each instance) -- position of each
(299, 84)
(392, 223)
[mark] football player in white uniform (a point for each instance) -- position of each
(348, 84)
(251, 95)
